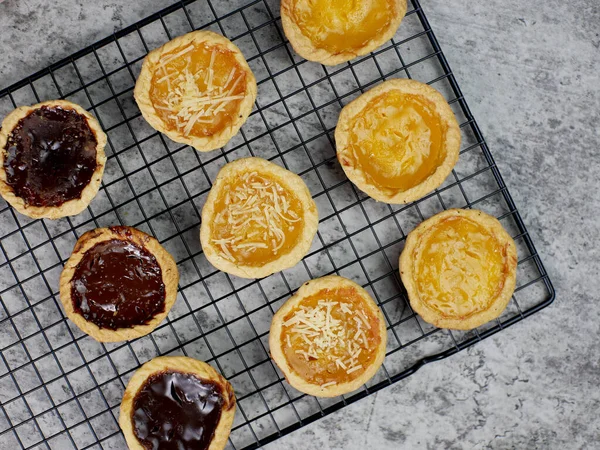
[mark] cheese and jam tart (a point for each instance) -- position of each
(197, 89)
(118, 284)
(328, 339)
(258, 219)
(51, 159)
(399, 141)
(459, 268)
(177, 403)
(335, 31)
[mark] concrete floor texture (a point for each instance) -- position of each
(529, 71)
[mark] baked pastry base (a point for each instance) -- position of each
(306, 48)
(357, 174)
(495, 306)
(170, 277)
(181, 364)
(143, 86)
(276, 342)
(70, 207)
(289, 181)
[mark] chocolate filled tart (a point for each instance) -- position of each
(118, 284)
(51, 159)
(175, 403)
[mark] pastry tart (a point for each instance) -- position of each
(118, 284)
(51, 159)
(258, 219)
(328, 339)
(177, 403)
(197, 89)
(459, 268)
(399, 141)
(334, 31)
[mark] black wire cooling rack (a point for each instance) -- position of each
(60, 389)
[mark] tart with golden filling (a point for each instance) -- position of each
(197, 89)
(51, 159)
(258, 219)
(330, 338)
(118, 284)
(459, 268)
(399, 141)
(334, 31)
(177, 403)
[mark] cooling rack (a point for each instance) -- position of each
(59, 389)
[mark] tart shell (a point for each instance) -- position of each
(70, 207)
(180, 364)
(308, 289)
(170, 278)
(305, 47)
(451, 142)
(289, 181)
(144, 84)
(496, 305)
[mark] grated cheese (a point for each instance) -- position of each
(329, 332)
(187, 100)
(250, 212)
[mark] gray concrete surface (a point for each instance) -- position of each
(529, 71)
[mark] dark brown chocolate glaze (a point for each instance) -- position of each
(177, 411)
(118, 284)
(50, 156)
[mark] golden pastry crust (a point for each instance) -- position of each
(291, 183)
(305, 47)
(170, 278)
(143, 86)
(450, 141)
(180, 364)
(276, 341)
(474, 317)
(70, 207)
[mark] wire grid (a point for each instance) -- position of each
(60, 389)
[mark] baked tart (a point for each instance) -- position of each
(197, 89)
(399, 141)
(459, 268)
(51, 159)
(177, 403)
(118, 284)
(328, 339)
(258, 219)
(334, 31)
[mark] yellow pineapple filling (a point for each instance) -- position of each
(257, 220)
(460, 268)
(197, 89)
(397, 139)
(342, 25)
(330, 337)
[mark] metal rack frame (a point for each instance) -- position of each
(61, 389)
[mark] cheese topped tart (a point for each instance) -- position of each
(118, 284)
(51, 159)
(334, 31)
(399, 141)
(258, 219)
(177, 403)
(197, 89)
(459, 268)
(330, 338)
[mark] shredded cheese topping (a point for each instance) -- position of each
(330, 332)
(257, 214)
(194, 97)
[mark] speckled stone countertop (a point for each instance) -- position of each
(529, 71)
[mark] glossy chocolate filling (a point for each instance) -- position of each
(50, 156)
(176, 411)
(118, 284)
